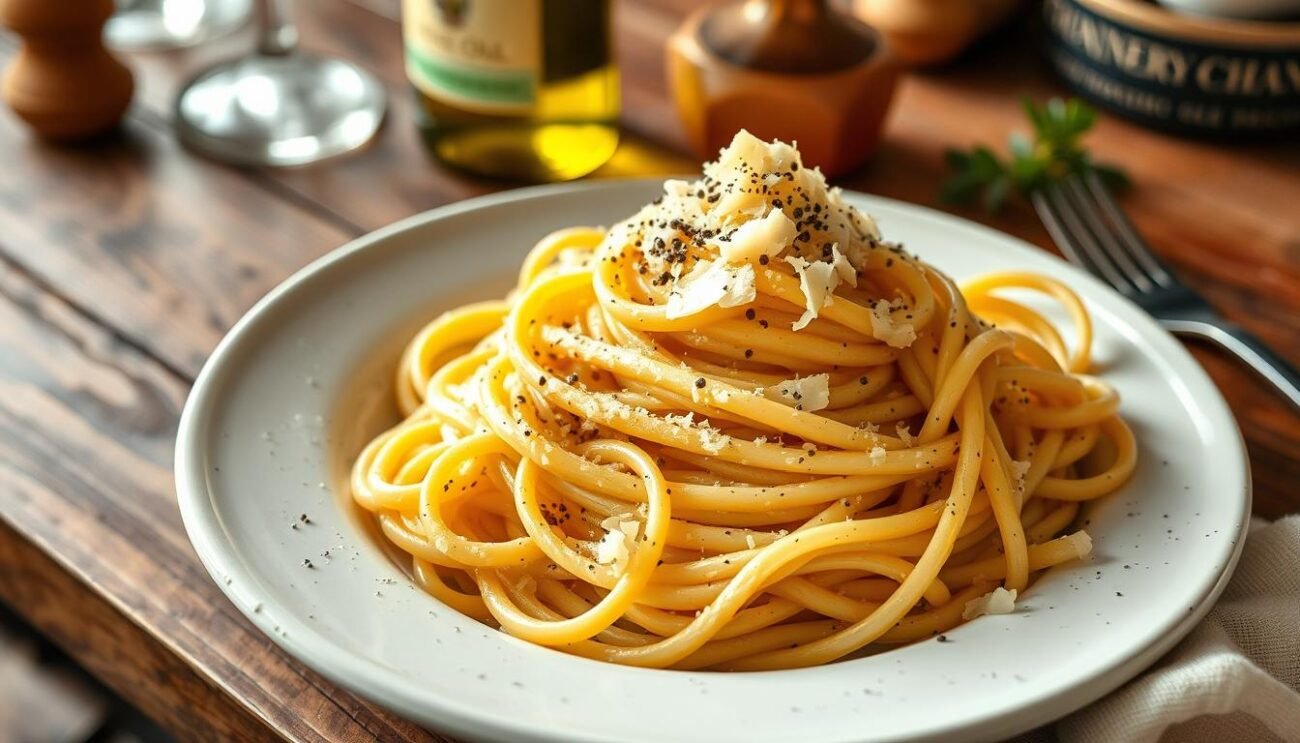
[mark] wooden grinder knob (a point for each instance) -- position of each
(63, 82)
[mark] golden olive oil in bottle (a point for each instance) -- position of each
(517, 89)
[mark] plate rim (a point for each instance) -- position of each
(368, 680)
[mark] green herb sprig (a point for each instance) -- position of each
(1053, 153)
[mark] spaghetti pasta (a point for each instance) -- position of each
(741, 431)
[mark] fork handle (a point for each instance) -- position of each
(1273, 368)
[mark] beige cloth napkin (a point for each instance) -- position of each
(1236, 677)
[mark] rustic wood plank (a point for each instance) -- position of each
(1271, 430)
(390, 9)
(92, 550)
(164, 247)
(119, 653)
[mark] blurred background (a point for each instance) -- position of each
(168, 161)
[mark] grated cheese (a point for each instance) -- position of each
(817, 281)
(620, 534)
(1019, 469)
(708, 284)
(741, 289)
(809, 393)
(711, 438)
(756, 204)
(997, 601)
(1081, 542)
(883, 327)
(681, 421)
(905, 434)
(845, 270)
(768, 236)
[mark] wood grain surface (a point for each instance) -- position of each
(122, 263)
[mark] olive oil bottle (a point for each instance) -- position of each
(517, 89)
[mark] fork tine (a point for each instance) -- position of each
(1074, 238)
(1137, 247)
(1086, 206)
(1057, 230)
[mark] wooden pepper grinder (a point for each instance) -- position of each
(922, 32)
(784, 69)
(63, 82)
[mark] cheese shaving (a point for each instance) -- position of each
(817, 281)
(845, 270)
(614, 547)
(711, 439)
(997, 601)
(807, 393)
(904, 434)
(1019, 469)
(1082, 543)
(768, 236)
(883, 327)
(711, 283)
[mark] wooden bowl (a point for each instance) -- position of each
(835, 117)
(1190, 75)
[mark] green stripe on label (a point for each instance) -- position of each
(489, 86)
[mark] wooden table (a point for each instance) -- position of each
(123, 262)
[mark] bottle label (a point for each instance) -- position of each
(483, 55)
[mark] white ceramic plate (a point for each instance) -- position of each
(285, 402)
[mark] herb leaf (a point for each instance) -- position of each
(974, 171)
(1053, 152)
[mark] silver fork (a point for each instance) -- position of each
(1092, 231)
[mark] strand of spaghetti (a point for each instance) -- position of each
(446, 473)
(1100, 484)
(548, 250)
(671, 446)
(927, 567)
(1006, 510)
(745, 584)
(467, 324)
(633, 578)
(1041, 556)
(1081, 358)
